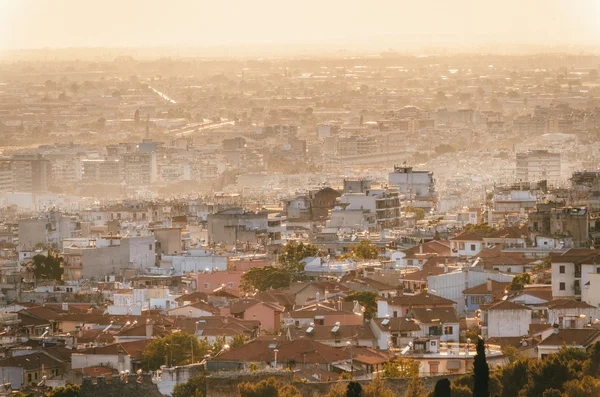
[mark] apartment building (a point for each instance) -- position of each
(538, 165)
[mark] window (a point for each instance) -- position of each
(472, 247)
(433, 369)
(149, 247)
(395, 313)
(435, 330)
(598, 270)
(561, 286)
(206, 285)
(320, 321)
(448, 330)
(461, 246)
(28, 377)
(508, 270)
(561, 269)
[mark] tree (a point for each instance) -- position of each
(264, 278)
(267, 388)
(401, 368)
(551, 373)
(338, 389)
(414, 387)
(194, 387)
(293, 253)
(481, 372)
(585, 387)
(552, 393)
(518, 282)
(365, 249)
(592, 365)
(513, 377)
(366, 299)
(419, 212)
(47, 267)
(238, 340)
(377, 388)
(174, 349)
(66, 391)
(480, 228)
(512, 353)
(288, 391)
(442, 388)
(461, 391)
(354, 389)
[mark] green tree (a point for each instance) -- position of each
(293, 253)
(364, 250)
(442, 388)
(401, 368)
(377, 388)
(481, 372)
(338, 389)
(585, 387)
(461, 391)
(354, 389)
(414, 388)
(194, 387)
(592, 365)
(288, 391)
(551, 373)
(512, 353)
(265, 278)
(47, 267)
(366, 299)
(238, 340)
(513, 377)
(552, 393)
(174, 349)
(519, 281)
(419, 212)
(66, 391)
(480, 228)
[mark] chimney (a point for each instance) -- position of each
(226, 320)
(65, 307)
(420, 248)
(489, 285)
(149, 329)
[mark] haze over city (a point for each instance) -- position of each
(299, 199)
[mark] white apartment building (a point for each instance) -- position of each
(538, 165)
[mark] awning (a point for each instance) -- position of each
(453, 364)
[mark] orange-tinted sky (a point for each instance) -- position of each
(383, 24)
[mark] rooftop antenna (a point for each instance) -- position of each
(147, 125)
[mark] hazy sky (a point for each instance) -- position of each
(150, 23)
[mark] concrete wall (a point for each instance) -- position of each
(114, 387)
(227, 385)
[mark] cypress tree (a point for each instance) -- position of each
(442, 388)
(481, 372)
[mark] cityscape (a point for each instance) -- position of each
(259, 217)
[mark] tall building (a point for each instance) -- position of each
(538, 165)
(30, 173)
(417, 186)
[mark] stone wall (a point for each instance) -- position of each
(227, 385)
(114, 387)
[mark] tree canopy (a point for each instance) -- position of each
(64, 391)
(481, 372)
(174, 349)
(293, 253)
(194, 387)
(265, 278)
(267, 388)
(519, 281)
(365, 249)
(367, 299)
(47, 267)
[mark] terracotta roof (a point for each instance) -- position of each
(515, 341)
(577, 255)
(538, 328)
(324, 332)
(43, 313)
(503, 305)
(98, 370)
(433, 315)
(241, 306)
(397, 324)
(469, 236)
(437, 247)
(423, 299)
(133, 349)
(299, 350)
(421, 275)
(140, 330)
(544, 293)
(193, 297)
(31, 361)
(568, 304)
(578, 337)
(510, 232)
(497, 289)
(281, 298)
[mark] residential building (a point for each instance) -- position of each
(537, 165)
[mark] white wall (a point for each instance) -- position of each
(79, 360)
(452, 285)
(567, 277)
(508, 323)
